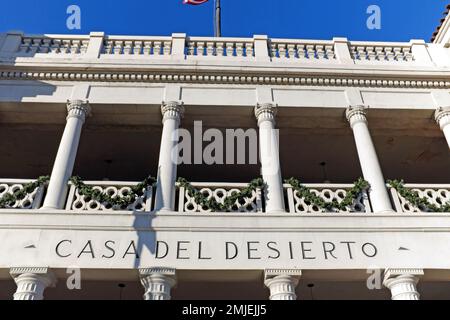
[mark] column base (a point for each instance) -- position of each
(49, 208)
(164, 210)
(276, 212)
(386, 211)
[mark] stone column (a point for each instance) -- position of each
(167, 167)
(31, 282)
(282, 283)
(67, 151)
(269, 157)
(442, 116)
(157, 282)
(379, 197)
(402, 283)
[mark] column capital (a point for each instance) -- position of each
(172, 110)
(390, 273)
(14, 271)
(160, 270)
(157, 282)
(282, 283)
(356, 114)
(47, 275)
(270, 273)
(32, 281)
(402, 282)
(78, 109)
(442, 116)
(266, 111)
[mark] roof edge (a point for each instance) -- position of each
(440, 33)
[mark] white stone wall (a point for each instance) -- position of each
(46, 71)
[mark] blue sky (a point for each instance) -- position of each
(402, 20)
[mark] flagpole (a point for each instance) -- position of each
(217, 18)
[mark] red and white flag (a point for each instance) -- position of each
(194, 2)
(217, 24)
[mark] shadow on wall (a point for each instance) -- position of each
(19, 106)
(31, 83)
(22, 86)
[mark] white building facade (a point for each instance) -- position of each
(107, 108)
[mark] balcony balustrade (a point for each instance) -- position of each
(57, 45)
(145, 46)
(327, 192)
(97, 45)
(381, 52)
(79, 202)
(219, 47)
(302, 50)
(219, 191)
(437, 194)
(32, 200)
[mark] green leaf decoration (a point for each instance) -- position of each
(8, 199)
(121, 201)
(415, 199)
(229, 201)
(305, 193)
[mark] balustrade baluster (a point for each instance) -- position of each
(200, 48)
(210, 49)
(282, 50)
(320, 51)
(301, 51)
(274, 50)
(291, 51)
(329, 52)
(230, 49)
(157, 48)
(239, 49)
(128, 47)
(167, 48)
(249, 49)
(311, 52)
(220, 50)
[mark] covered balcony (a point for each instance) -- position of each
(92, 106)
(435, 194)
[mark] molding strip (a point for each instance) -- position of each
(215, 78)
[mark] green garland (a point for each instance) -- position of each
(304, 192)
(228, 202)
(415, 199)
(8, 199)
(98, 195)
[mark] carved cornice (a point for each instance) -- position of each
(216, 78)
(442, 116)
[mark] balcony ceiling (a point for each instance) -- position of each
(122, 142)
